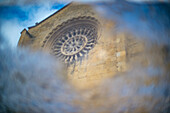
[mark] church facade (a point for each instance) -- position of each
(85, 42)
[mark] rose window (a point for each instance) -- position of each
(73, 39)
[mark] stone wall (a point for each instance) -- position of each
(109, 55)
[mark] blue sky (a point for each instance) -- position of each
(9, 12)
(14, 18)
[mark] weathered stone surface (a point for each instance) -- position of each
(107, 54)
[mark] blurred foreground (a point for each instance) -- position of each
(35, 82)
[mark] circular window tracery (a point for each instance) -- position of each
(73, 45)
(73, 39)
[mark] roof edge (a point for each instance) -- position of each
(50, 16)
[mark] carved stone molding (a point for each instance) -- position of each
(73, 39)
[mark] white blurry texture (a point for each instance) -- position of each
(11, 28)
(33, 82)
(147, 21)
